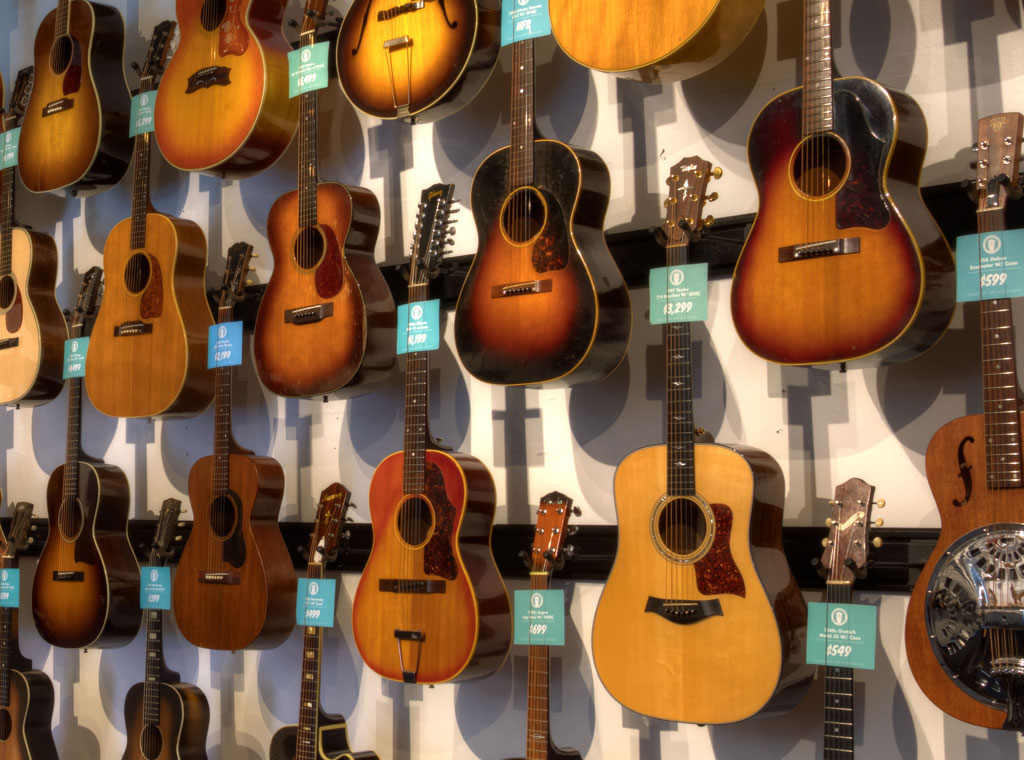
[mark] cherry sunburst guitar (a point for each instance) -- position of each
(85, 593)
(431, 605)
(318, 735)
(164, 718)
(840, 211)
(965, 622)
(543, 301)
(699, 564)
(327, 320)
(418, 60)
(32, 327)
(147, 356)
(235, 585)
(76, 128)
(223, 105)
(26, 694)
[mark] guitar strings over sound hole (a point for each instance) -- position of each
(682, 527)
(70, 520)
(523, 216)
(60, 54)
(223, 517)
(5, 724)
(309, 248)
(212, 14)
(136, 273)
(415, 520)
(8, 290)
(150, 742)
(820, 165)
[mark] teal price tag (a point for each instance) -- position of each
(75, 350)
(679, 294)
(419, 326)
(155, 590)
(224, 345)
(540, 617)
(9, 156)
(142, 113)
(842, 635)
(989, 265)
(307, 68)
(314, 603)
(524, 20)
(10, 587)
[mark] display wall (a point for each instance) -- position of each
(959, 60)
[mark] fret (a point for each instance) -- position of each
(308, 161)
(521, 152)
(155, 667)
(62, 27)
(416, 409)
(309, 698)
(817, 67)
(838, 729)
(6, 219)
(7, 628)
(222, 420)
(538, 685)
(679, 395)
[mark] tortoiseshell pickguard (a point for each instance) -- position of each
(717, 572)
(15, 314)
(331, 271)
(234, 39)
(438, 558)
(152, 305)
(551, 249)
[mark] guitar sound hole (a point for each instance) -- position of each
(8, 290)
(309, 248)
(415, 520)
(212, 14)
(5, 724)
(523, 216)
(60, 54)
(820, 165)
(223, 517)
(150, 742)
(136, 273)
(70, 519)
(682, 527)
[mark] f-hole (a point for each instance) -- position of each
(682, 528)
(821, 164)
(8, 290)
(415, 521)
(223, 517)
(309, 248)
(60, 54)
(70, 519)
(523, 215)
(136, 273)
(151, 742)
(212, 14)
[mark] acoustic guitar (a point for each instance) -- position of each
(418, 61)
(319, 735)
(164, 718)
(840, 209)
(430, 605)
(548, 553)
(85, 593)
(147, 357)
(235, 585)
(76, 129)
(223, 106)
(652, 40)
(327, 320)
(699, 564)
(965, 621)
(26, 694)
(32, 326)
(543, 301)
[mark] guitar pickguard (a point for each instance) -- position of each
(152, 305)
(234, 39)
(551, 248)
(861, 200)
(438, 558)
(330, 275)
(716, 571)
(15, 314)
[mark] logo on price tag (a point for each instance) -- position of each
(75, 350)
(679, 294)
(10, 587)
(307, 68)
(540, 617)
(990, 265)
(224, 345)
(155, 590)
(842, 635)
(314, 604)
(523, 20)
(9, 156)
(419, 327)
(142, 113)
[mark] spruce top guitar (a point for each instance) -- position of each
(32, 327)
(837, 164)
(699, 563)
(85, 592)
(223, 105)
(430, 605)
(76, 128)
(164, 719)
(318, 735)
(965, 622)
(148, 354)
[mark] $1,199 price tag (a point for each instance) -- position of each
(419, 326)
(224, 345)
(10, 587)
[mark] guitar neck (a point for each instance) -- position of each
(538, 687)
(839, 715)
(308, 162)
(309, 694)
(140, 180)
(74, 438)
(417, 430)
(63, 25)
(679, 395)
(6, 219)
(155, 667)
(817, 64)
(521, 147)
(222, 437)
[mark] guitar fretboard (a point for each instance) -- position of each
(7, 633)
(6, 219)
(537, 708)
(74, 441)
(521, 147)
(679, 395)
(154, 667)
(312, 641)
(308, 171)
(817, 66)
(140, 180)
(839, 715)
(417, 369)
(222, 420)
(63, 21)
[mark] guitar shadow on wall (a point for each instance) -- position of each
(520, 426)
(649, 731)
(402, 696)
(390, 155)
(6, 444)
(223, 740)
(74, 741)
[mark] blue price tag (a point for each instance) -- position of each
(314, 603)
(224, 345)
(540, 617)
(10, 587)
(998, 273)
(307, 68)
(142, 113)
(419, 326)
(155, 590)
(9, 153)
(842, 635)
(523, 20)
(75, 350)
(679, 294)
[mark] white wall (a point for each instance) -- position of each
(959, 59)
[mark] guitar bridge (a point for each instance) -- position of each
(58, 106)
(136, 327)
(683, 611)
(308, 315)
(220, 578)
(208, 77)
(68, 576)
(822, 248)
(521, 288)
(400, 586)
(8, 343)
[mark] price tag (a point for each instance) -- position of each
(75, 350)
(998, 274)
(224, 345)
(314, 604)
(540, 617)
(10, 587)
(155, 590)
(419, 326)
(142, 113)
(9, 154)
(679, 294)
(523, 20)
(307, 68)
(842, 635)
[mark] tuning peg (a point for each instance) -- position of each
(880, 503)
(135, 67)
(711, 198)
(974, 148)
(569, 551)
(826, 542)
(878, 523)
(572, 530)
(716, 173)
(293, 23)
(829, 522)
(689, 221)
(525, 557)
(254, 256)
(877, 542)
(709, 220)
(252, 267)
(248, 282)
(577, 511)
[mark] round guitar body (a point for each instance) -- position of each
(331, 741)
(181, 731)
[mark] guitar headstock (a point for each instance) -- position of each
(335, 501)
(432, 232)
(156, 56)
(232, 290)
(687, 184)
(312, 14)
(18, 534)
(19, 97)
(998, 163)
(846, 550)
(549, 550)
(88, 298)
(163, 540)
